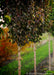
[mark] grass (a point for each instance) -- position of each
(27, 62)
(49, 73)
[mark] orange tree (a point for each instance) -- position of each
(7, 49)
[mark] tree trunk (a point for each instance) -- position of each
(49, 54)
(53, 49)
(34, 59)
(19, 62)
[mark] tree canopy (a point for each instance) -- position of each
(26, 22)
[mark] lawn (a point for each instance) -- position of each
(27, 62)
(49, 73)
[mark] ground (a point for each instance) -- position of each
(28, 62)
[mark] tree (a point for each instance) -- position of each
(52, 31)
(26, 24)
(7, 49)
(48, 22)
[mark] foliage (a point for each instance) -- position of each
(27, 45)
(27, 20)
(7, 49)
(27, 23)
(48, 20)
(7, 19)
(52, 15)
(49, 73)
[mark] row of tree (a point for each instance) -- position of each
(26, 22)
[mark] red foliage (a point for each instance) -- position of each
(7, 49)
